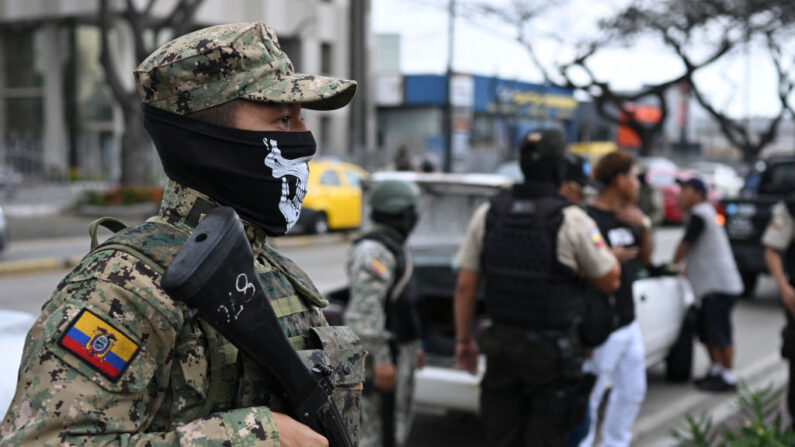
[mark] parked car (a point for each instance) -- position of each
(747, 216)
(658, 163)
(334, 197)
(720, 177)
(446, 206)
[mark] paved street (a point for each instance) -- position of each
(757, 323)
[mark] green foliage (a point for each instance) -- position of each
(125, 195)
(759, 424)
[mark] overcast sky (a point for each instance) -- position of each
(488, 48)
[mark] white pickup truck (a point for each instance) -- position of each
(446, 205)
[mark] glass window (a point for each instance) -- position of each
(330, 178)
(354, 181)
(23, 57)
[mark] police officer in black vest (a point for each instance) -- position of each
(779, 240)
(534, 250)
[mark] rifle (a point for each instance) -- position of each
(213, 272)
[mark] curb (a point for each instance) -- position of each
(45, 264)
(36, 265)
(312, 239)
(770, 371)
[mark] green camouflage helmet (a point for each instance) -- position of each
(215, 65)
(393, 196)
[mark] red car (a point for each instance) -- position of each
(665, 181)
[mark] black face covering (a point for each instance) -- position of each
(262, 175)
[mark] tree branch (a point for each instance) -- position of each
(121, 94)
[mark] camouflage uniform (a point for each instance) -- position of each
(165, 396)
(148, 372)
(371, 269)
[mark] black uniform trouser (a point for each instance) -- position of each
(533, 393)
(788, 352)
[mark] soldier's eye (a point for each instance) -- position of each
(285, 120)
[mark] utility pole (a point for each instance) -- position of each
(448, 111)
(358, 146)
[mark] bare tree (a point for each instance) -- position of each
(146, 31)
(712, 29)
(679, 23)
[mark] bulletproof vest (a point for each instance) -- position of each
(789, 256)
(526, 285)
(401, 304)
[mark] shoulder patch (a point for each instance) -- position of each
(99, 344)
(596, 238)
(378, 269)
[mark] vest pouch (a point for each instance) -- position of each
(788, 337)
(342, 350)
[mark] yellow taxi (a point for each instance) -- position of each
(334, 197)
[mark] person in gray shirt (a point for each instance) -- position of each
(710, 267)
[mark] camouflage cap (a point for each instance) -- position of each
(221, 63)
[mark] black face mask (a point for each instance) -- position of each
(262, 175)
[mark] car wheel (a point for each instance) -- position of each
(320, 223)
(749, 283)
(679, 362)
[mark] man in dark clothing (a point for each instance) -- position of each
(620, 360)
(779, 242)
(532, 247)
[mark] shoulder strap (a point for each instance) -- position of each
(115, 225)
(402, 273)
(499, 207)
(111, 223)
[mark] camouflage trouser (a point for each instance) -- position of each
(370, 434)
(531, 394)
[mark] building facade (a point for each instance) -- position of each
(489, 117)
(57, 116)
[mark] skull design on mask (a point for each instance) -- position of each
(289, 204)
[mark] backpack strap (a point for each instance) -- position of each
(402, 271)
(111, 223)
(137, 242)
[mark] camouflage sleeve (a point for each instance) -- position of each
(370, 269)
(96, 369)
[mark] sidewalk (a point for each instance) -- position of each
(27, 230)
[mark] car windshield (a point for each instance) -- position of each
(780, 179)
(661, 178)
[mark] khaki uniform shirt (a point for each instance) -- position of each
(781, 230)
(580, 245)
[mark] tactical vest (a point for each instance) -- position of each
(401, 306)
(789, 256)
(155, 244)
(142, 242)
(526, 285)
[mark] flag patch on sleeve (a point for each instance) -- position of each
(378, 269)
(596, 238)
(99, 344)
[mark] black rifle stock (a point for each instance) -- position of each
(214, 273)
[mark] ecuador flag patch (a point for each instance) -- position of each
(99, 344)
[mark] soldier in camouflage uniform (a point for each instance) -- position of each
(113, 360)
(382, 312)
